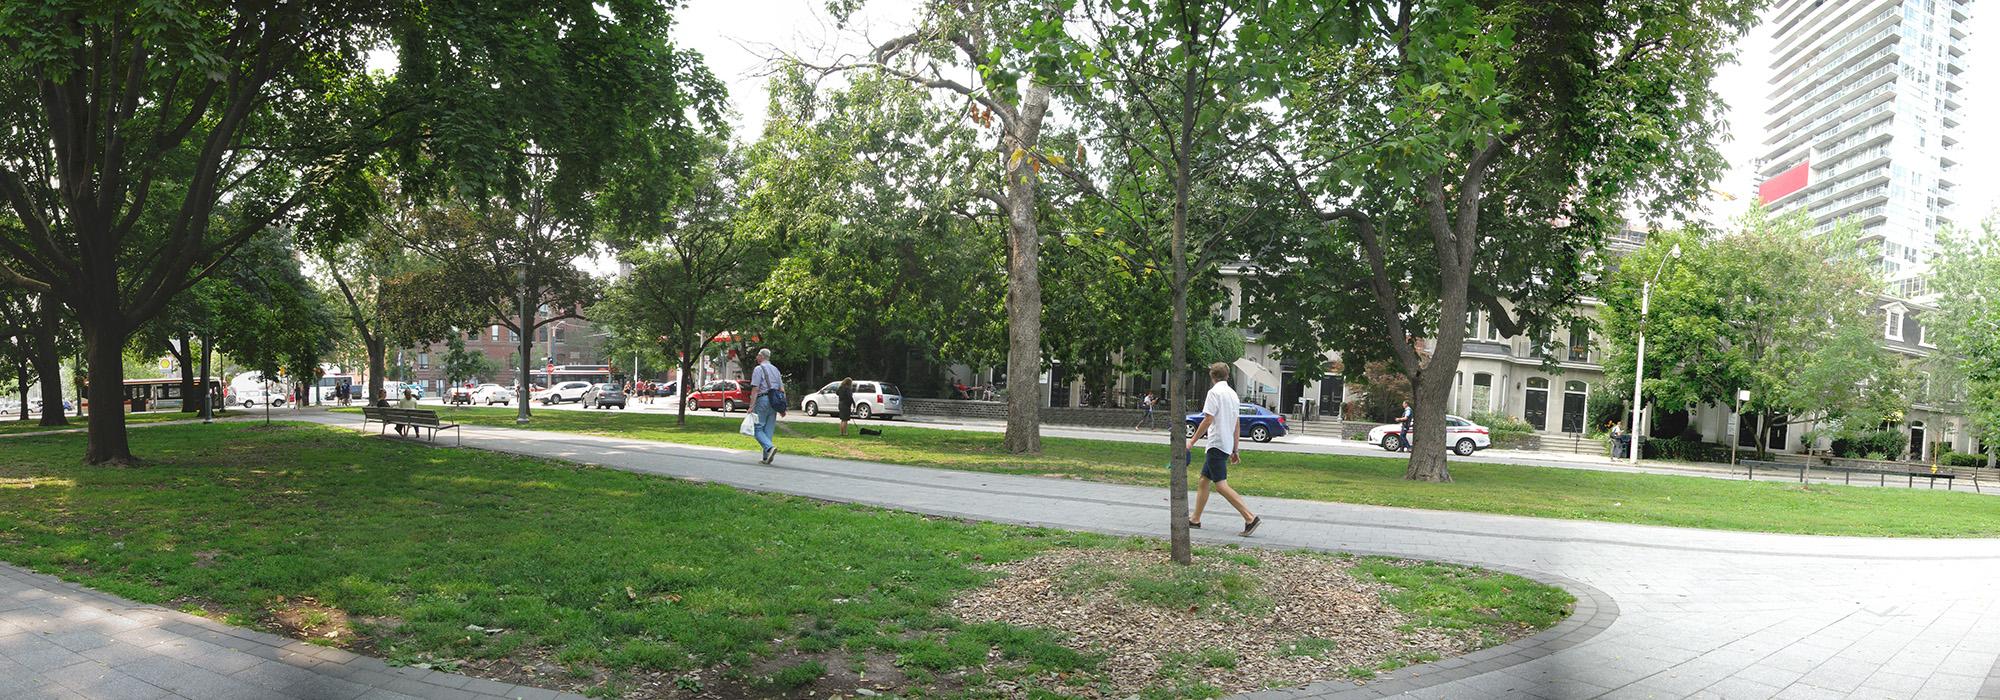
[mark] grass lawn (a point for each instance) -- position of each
(1650, 499)
(559, 575)
(33, 424)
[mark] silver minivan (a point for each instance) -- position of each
(872, 399)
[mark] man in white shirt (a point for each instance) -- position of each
(1218, 421)
(765, 381)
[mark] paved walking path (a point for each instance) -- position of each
(60, 640)
(1662, 612)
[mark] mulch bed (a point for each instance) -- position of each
(1342, 621)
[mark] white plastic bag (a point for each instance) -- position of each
(749, 428)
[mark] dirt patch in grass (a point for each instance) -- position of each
(309, 620)
(1233, 622)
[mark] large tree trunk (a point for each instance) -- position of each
(207, 401)
(681, 390)
(526, 347)
(103, 352)
(378, 365)
(21, 377)
(48, 366)
(184, 356)
(1177, 483)
(1024, 278)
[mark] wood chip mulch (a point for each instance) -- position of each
(1311, 597)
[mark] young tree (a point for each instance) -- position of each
(1967, 322)
(1470, 154)
(150, 140)
(687, 285)
(462, 364)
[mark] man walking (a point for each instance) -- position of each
(1218, 421)
(1145, 404)
(767, 392)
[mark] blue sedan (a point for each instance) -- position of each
(1252, 421)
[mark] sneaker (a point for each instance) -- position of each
(1251, 526)
(766, 459)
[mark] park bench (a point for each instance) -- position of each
(413, 418)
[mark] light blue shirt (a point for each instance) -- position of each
(766, 377)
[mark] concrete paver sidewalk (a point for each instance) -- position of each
(60, 640)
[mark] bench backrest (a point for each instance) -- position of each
(410, 416)
(373, 413)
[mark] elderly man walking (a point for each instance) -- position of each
(767, 398)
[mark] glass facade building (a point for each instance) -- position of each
(1863, 121)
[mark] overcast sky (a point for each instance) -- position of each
(736, 35)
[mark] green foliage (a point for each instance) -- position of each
(461, 364)
(857, 196)
(1680, 450)
(1961, 459)
(1883, 443)
(1772, 307)
(1966, 324)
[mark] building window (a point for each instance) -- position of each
(1482, 392)
(513, 336)
(1892, 324)
(423, 360)
(542, 334)
(1579, 343)
(1924, 335)
(1472, 324)
(496, 333)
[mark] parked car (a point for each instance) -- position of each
(416, 390)
(1252, 421)
(724, 395)
(1463, 436)
(872, 399)
(607, 394)
(458, 395)
(565, 392)
(489, 394)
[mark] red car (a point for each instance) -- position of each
(725, 395)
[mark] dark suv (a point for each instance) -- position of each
(607, 395)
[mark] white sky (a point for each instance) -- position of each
(735, 36)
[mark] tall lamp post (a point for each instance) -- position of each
(1639, 372)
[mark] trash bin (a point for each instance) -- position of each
(1621, 446)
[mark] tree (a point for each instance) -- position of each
(463, 364)
(1772, 307)
(1470, 153)
(360, 268)
(686, 288)
(149, 141)
(1010, 100)
(1966, 323)
(858, 198)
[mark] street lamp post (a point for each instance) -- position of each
(1736, 435)
(1639, 371)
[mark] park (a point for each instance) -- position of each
(896, 349)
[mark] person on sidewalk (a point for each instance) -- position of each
(1409, 428)
(1145, 404)
(767, 398)
(1218, 421)
(845, 394)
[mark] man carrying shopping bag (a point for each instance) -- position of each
(767, 402)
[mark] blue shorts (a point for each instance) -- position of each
(1215, 467)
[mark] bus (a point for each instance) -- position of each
(161, 394)
(595, 374)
